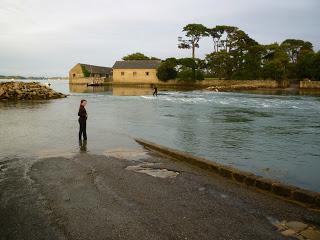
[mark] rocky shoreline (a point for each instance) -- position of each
(233, 87)
(27, 91)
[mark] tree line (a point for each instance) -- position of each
(235, 55)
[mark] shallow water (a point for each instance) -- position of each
(276, 136)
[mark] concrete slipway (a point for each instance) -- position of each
(138, 195)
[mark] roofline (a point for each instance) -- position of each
(93, 65)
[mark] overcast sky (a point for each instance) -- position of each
(43, 37)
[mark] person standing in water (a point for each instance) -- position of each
(155, 93)
(83, 120)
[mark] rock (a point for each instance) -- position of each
(311, 234)
(27, 90)
(2, 92)
(288, 233)
(296, 226)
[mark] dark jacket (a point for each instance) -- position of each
(82, 113)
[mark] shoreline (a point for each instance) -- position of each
(88, 196)
(294, 90)
(285, 191)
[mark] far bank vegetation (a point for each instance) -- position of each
(235, 55)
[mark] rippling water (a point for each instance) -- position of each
(276, 136)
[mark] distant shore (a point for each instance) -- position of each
(264, 86)
(19, 78)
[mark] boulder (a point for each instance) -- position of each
(27, 90)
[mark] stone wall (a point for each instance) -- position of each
(136, 76)
(306, 84)
(218, 84)
(76, 72)
(240, 83)
(88, 80)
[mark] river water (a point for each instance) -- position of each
(276, 136)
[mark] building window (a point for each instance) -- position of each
(122, 73)
(74, 75)
(134, 73)
(147, 73)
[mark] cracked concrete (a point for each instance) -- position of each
(96, 197)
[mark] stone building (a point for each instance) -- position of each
(136, 71)
(85, 73)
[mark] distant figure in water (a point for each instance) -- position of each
(83, 120)
(155, 93)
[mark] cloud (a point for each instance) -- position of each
(42, 37)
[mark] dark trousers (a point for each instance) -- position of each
(83, 129)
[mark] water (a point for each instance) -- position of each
(276, 136)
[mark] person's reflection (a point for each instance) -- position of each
(83, 145)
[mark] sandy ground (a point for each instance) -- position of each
(132, 196)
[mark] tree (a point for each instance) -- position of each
(274, 62)
(194, 32)
(218, 64)
(294, 47)
(187, 74)
(305, 65)
(137, 56)
(249, 64)
(166, 71)
(190, 64)
(189, 69)
(315, 68)
(234, 54)
(221, 35)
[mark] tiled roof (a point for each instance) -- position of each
(137, 64)
(96, 69)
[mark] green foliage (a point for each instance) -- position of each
(184, 69)
(294, 47)
(308, 66)
(86, 73)
(315, 68)
(187, 62)
(274, 62)
(190, 75)
(173, 62)
(218, 64)
(273, 70)
(166, 71)
(189, 69)
(235, 55)
(194, 32)
(138, 56)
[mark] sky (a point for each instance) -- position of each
(47, 38)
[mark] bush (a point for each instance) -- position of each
(273, 70)
(187, 74)
(86, 73)
(166, 72)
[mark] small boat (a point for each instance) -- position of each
(94, 84)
